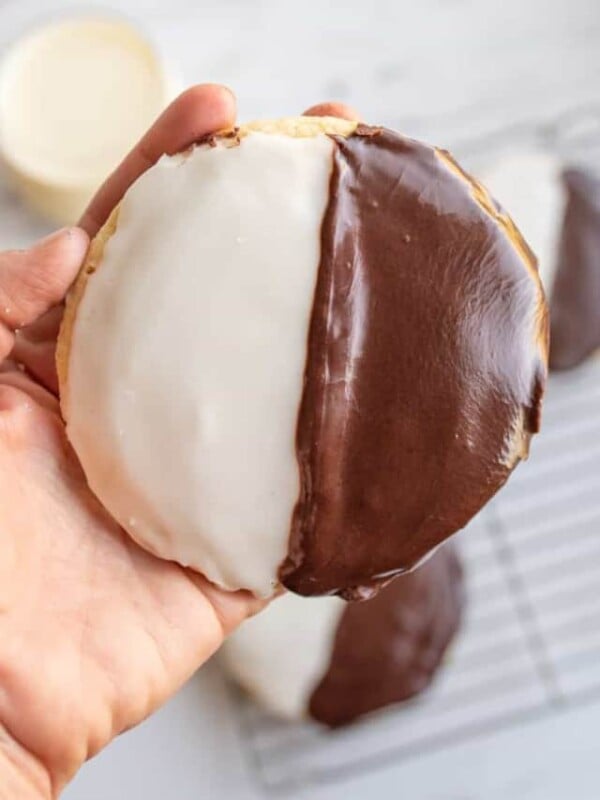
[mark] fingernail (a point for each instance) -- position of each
(52, 237)
(70, 232)
(76, 239)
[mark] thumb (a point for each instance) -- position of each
(34, 280)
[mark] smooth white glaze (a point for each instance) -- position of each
(188, 352)
(280, 655)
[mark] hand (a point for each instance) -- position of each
(95, 633)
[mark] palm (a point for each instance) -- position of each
(95, 632)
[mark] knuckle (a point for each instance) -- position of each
(16, 412)
(12, 399)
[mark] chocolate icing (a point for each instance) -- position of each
(575, 303)
(425, 367)
(388, 649)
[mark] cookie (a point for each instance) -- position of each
(334, 662)
(304, 352)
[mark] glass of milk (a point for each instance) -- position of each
(75, 95)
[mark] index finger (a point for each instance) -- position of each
(203, 109)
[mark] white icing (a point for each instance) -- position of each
(280, 655)
(189, 347)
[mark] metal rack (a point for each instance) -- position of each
(530, 644)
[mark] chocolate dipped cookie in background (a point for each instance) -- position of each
(575, 299)
(304, 352)
(333, 662)
(558, 210)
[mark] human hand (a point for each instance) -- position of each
(95, 633)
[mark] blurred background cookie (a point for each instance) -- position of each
(334, 662)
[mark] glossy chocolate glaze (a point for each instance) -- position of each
(575, 303)
(389, 648)
(425, 367)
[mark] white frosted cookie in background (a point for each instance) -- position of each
(266, 366)
(557, 208)
(75, 95)
(528, 184)
(333, 662)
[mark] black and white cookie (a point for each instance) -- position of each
(334, 661)
(303, 352)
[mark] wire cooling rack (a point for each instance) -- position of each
(530, 642)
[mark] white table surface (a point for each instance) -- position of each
(449, 71)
